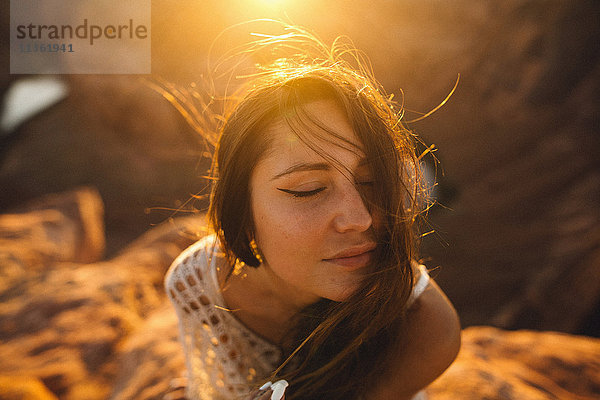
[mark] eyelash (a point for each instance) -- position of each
(307, 193)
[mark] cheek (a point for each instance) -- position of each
(279, 226)
(378, 221)
(286, 230)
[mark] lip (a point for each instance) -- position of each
(353, 257)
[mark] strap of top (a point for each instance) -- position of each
(421, 282)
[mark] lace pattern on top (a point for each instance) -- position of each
(225, 359)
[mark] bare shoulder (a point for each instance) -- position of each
(430, 345)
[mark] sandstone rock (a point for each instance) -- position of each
(523, 365)
(150, 358)
(65, 227)
(23, 388)
(493, 364)
(518, 143)
(61, 227)
(106, 330)
(64, 324)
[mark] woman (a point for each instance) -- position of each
(309, 275)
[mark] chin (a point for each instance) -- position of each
(341, 294)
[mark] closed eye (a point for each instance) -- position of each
(302, 193)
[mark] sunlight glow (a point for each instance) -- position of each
(272, 5)
(270, 2)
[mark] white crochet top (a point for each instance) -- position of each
(225, 360)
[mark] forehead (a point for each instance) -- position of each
(322, 130)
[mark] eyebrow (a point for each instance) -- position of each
(319, 166)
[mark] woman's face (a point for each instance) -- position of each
(311, 225)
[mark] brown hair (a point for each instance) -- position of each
(337, 349)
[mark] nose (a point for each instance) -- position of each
(351, 213)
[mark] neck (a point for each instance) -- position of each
(263, 302)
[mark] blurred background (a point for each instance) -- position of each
(517, 227)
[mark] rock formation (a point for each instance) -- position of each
(104, 329)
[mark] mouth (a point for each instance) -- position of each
(354, 257)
